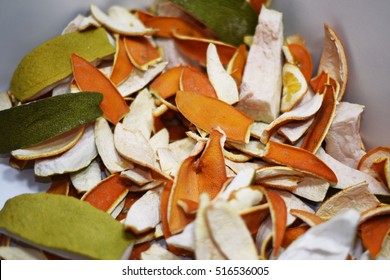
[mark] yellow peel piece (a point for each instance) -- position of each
(51, 147)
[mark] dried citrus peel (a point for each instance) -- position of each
(104, 140)
(51, 147)
(196, 48)
(56, 115)
(330, 240)
(236, 65)
(141, 52)
(144, 214)
(374, 231)
(333, 60)
(279, 218)
(164, 26)
(302, 112)
(322, 121)
(301, 57)
(116, 27)
(357, 197)
(298, 159)
(94, 233)
(343, 140)
(223, 83)
(229, 232)
(348, 176)
(195, 176)
(89, 78)
(76, 158)
(224, 11)
(365, 163)
(87, 178)
(167, 84)
(107, 194)
(52, 58)
(205, 248)
(122, 66)
(209, 113)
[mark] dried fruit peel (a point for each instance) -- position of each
(50, 62)
(89, 78)
(94, 233)
(35, 122)
(223, 11)
(209, 113)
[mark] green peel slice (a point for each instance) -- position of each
(50, 62)
(65, 226)
(231, 20)
(32, 123)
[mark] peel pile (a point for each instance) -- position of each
(192, 147)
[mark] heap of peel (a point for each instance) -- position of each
(165, 136)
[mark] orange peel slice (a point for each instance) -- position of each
(298, 159)
(89, 78)
(309, 218)
(107, 194)
(194, 80)
(334, 60)
(196, 48)
(209, 113)
(322, 121)
(254, 217)
(382, 168)
(302, 112)
(167, 84)
(122, 66)
(237, 64)
(374, 229)
(195, 176)
(366, 162)
(59, 185)
(141, 52)
(278, 211)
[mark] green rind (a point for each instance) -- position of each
(32, 123)
(231, 20)
(51, 62)
(65, 223)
